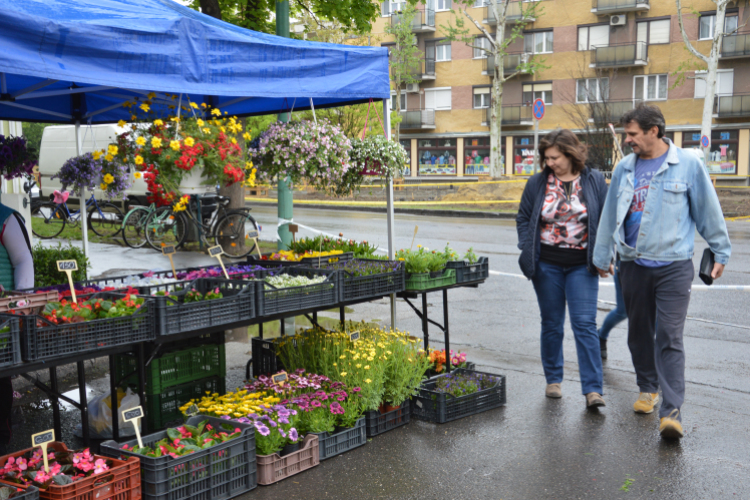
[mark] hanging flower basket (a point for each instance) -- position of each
(95, 170)
(378, 156)
(17, 159)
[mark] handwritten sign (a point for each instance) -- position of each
(217, 251)
(42, 439)
(253, 235)
(170, 250)
(192, 411)
(67, 267)
(354, 336)
(134, 415)
(280, 378)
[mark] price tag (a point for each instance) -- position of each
(192, 411)
(42, 439)
(134, 415)
(280, 378)
(419, 403)
(253, 235)
(170, 250)
(67, 267)
(354, 336)
(217, 251)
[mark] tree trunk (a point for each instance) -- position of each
(711, 74)
(496, 116)
(211, 8)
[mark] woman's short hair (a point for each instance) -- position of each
(568, 144)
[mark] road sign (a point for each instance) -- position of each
(538, 109)
(705, 141)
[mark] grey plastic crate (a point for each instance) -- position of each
(372, 286)
(223, 471)
(10, 347)
(271, 300)
(41, 339)
(440, 407)
(470, 273)
(30, 493)
(378, 423)
(340, 442)
(237, 305)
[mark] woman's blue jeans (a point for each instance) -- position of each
(618, 314)
(554, 286)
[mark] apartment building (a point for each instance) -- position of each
(598, 54)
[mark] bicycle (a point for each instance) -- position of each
(134, 226)
(103, 218)
(228, 228)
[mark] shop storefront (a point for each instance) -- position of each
(477, 156)
(523, 155)
(723, 156)
(406, 144)
(437, 156)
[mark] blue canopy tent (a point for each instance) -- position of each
(78, 61)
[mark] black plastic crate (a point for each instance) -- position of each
(265, 361)
(10, 347)
(221, 472)
(271, 300)
(432, 373)
(378, 423)
(163, 410)
(41, 339)
(470, 273)
(237, 306)
(373, 286)
(342, 441)
(440, 408)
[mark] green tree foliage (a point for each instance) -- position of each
(33, 134)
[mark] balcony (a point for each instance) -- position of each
(620, 55)
(511, 62)
(609, 111)
(424, 70)
(732, 106)
(513, 15)
(418, 119)
(735, 46)
(516, 115)
(423, 21)
(604, 7)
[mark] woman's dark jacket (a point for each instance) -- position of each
(594, 192)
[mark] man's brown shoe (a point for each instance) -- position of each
(670, 427)
(553, 391)
(594, 400)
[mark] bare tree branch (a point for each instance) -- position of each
(688, 43)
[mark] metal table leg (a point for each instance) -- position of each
(113, 397)
(425, 325)
(57, 423)
(83, 402)
(142, 384)
(342, 315)
(445, 330)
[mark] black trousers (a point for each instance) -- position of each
(656, 301)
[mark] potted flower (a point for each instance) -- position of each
(95, 170)
(378, 156)
(17, 159)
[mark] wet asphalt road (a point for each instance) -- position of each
(535, 448)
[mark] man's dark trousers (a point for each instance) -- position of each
(656, 301)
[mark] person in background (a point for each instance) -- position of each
(16, 273)
(658, 197)
(615, 316)
(557, 223)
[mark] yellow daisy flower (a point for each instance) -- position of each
(189, 142)
(174, 145)
(109, 157)
(145, 107)
(112, 150)
(158, 123)
(139, 160)
(121, 123)
(155, 142)
(108, 179)
(141, 141)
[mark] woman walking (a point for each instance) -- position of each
(556, 224)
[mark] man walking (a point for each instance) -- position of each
(657, 198)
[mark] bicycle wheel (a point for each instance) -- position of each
(47, 220)
(134, 227)
(163, 226)
(105, 219)
(231, 233)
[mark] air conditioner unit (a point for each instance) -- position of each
(618, 20)
(412, 87)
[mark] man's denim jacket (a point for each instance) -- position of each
(680, 199)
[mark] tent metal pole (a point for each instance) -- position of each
(82, 205)
(285, 195)
(389, 202)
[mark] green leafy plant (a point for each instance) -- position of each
(187, 439)
(361, 249)
(45, 264)
(470, 256)
(422, 260)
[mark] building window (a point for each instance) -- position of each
(592, 90)
(439, 5)
(406, 144)
(482, 42)
(724, 83)
(443, 51)
(653, 32)
(403, 101)
(477, 155)
(707, 26)
(523, 155)
(437, 99)
(539, 42)
(437, 156)
(593, 36)
(388, 8)
(650, 88)
(723, 156)
(481, 97)
(534, 91)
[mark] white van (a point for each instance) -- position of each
(59, 145)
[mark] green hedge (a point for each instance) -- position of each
(45, 264)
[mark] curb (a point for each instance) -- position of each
(410, 211)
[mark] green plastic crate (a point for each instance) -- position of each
(175, 368)
(422, 281)
(163, 410)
